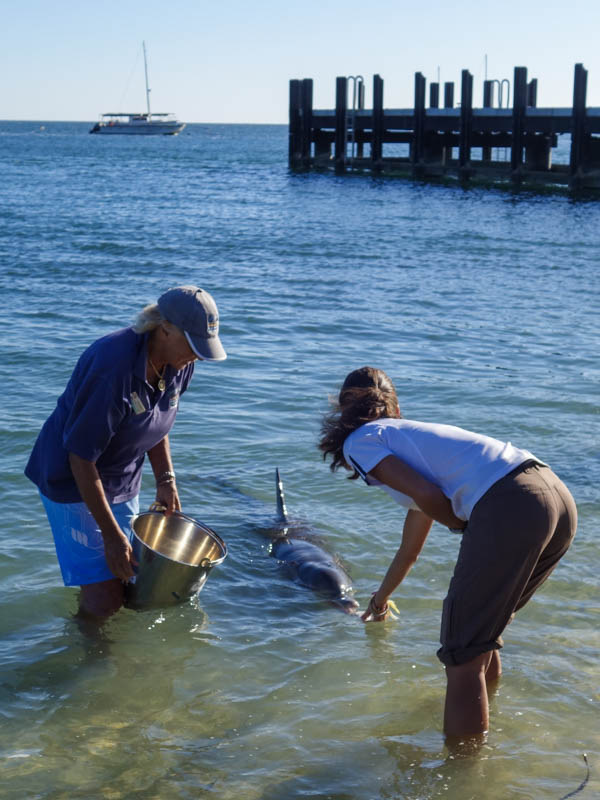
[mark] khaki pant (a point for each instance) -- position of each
(517, 533)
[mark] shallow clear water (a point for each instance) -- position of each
(482, 306)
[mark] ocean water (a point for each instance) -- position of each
(483, 307)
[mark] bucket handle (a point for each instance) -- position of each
(159, 507)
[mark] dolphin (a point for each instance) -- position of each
(310, 564)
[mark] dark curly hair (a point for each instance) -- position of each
(366, 394)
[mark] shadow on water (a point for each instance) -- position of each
(65, 654)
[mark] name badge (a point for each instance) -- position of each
(136, 403)
(174, 398)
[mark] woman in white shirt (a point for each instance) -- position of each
(517, 519)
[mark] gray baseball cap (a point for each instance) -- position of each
(195, 312)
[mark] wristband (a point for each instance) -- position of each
(165, 477)
(378, 611)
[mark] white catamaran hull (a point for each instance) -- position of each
(139, 128)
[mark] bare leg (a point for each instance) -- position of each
(493, 672)
(466, 712)
(101, 600)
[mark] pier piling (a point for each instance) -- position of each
(341, 109)
(307, 108)
(578, 136)
(416, 146)
(488, 88)
(295, 126)
(466, 123)
(532, 93)
(449, 95)
(377, 124)
(518, 122)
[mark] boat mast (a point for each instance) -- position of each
(147, 87)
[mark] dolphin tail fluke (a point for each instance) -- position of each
(281, 509)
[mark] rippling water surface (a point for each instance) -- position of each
(482, 306)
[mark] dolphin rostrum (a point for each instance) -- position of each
(311, 565)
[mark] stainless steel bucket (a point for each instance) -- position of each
(175, 555)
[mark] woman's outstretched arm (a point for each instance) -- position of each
(416, 527)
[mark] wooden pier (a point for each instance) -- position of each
(490, 144)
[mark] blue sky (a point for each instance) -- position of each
(231, 61)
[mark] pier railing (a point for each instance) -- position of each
(506, 144)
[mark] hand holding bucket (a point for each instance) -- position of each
(175, 555)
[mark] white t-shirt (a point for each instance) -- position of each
(463, 464)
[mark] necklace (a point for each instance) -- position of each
(160, 375)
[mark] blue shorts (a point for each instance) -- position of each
(78, 541)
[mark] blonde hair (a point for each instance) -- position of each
(148, 319)
(366, 394)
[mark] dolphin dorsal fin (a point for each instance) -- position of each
(281, 509)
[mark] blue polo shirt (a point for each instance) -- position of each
(108, 414)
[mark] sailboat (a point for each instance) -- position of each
(150, 123)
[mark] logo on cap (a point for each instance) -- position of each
(213, 324)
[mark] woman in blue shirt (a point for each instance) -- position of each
(516, 517)
(119, 405)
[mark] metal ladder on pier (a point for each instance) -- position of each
(358, 95)
(500, 92)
